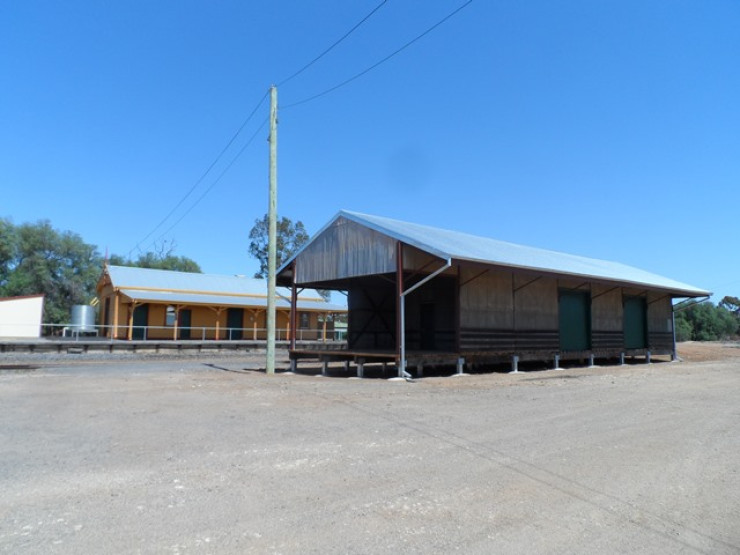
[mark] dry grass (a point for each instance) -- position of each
(705, 351)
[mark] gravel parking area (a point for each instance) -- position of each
(191, 455)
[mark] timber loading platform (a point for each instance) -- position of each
(416, 361)
(101, 345)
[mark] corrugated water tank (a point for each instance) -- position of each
(83, 319)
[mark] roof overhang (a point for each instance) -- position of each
(467, 249)
(195, 299)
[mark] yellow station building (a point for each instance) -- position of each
(141, 303)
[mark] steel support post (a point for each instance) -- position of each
(293, 310)
(514, 364)
(674, 351)
(460, 365)
(400, 312)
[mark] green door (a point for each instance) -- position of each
(635, 323)
(235, 323)
(141, 320)
(575, 321)
(184, 323)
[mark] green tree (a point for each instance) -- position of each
(731, 303)
(290, 238)
(684, 329)
(163, 259)
(38, 259)
(705, 322)
(8, 250)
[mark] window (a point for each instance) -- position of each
(305, 320)
(170, 316)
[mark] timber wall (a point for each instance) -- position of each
(504, 312)
(253, 324)
(345, 250)
(660, 322)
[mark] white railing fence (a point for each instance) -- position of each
(183, 333)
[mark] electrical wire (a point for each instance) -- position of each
(233, 138)
(202, 177)
(304, 101)
(212, 185)
(388, 57)
(348, 33)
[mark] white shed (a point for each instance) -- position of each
(21, 316)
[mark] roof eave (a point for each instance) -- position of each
(674, 292)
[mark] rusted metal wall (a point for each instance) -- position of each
(344, 250)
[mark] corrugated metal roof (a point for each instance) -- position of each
(147, 284)
(465, 247)
(176, 297)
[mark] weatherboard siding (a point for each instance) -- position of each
(659, 322)
(346, 250)
(207, 297)
(504, 312)
(535, 303)
(486, 300)
(606, 318)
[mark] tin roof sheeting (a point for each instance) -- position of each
(176, 297)
(166, 286)
(462, 246)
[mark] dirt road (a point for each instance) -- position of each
(193, 457)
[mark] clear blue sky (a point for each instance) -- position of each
(608, 129)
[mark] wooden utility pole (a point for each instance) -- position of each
(272, 235)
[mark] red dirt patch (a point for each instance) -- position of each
(695, 351)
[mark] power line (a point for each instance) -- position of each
(202, 177)
(304, 101)
(348, 33)
(212, 185)
(233, 138)
(388, 57)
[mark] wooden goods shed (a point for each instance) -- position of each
(142, 303)
(420, 295)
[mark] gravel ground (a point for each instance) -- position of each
(194, 455)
